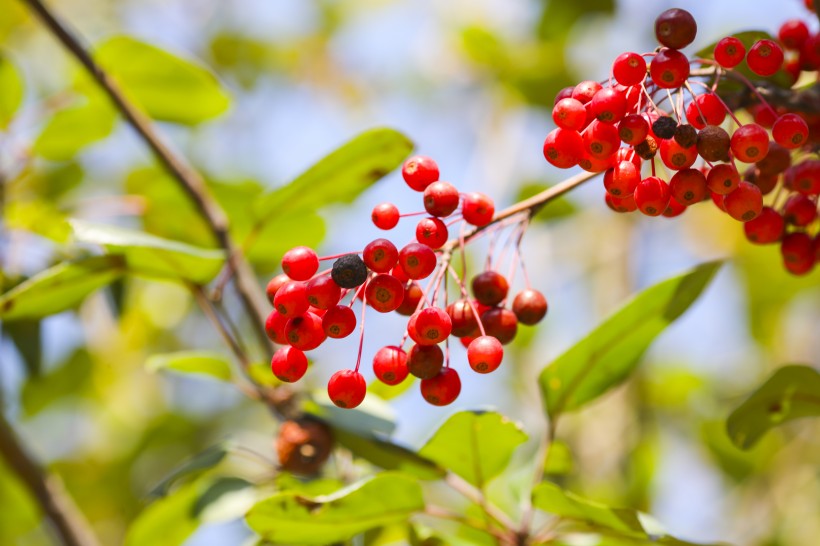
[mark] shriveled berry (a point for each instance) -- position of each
(713, 143)
(349, 271)
(664, 127)
(686, 135)
(419, 172)
(648, 148)
(529, 306)
(303, 446)
(390, 365)
(289, 364)
(347, 388)
(442, 389)
(490, 287)
(484, 354)
(425, 361)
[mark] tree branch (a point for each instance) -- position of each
(187, 177)
(69, 523)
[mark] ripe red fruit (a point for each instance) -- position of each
(300, 263)
(793, 34)
(798, 252)
(291, 299)
(765, 57)
(750, 143)
(490, 287)
(390, 365)
(805, 177)
(722, 179)
(594, 165)
(745, 203)
(305, 332)
(477, 209)
(729, 52)
(380, 255)
(500, 323)
(485, 354)
(674, 208)
(529, 306)
(652, 196)
(601, 140)
(766, 228)
(584, 91)
(425, 361)
(346, 388)
(442, 389)
(705, 110)
(431, 232)
(289, 364)
(384, 293)
(675, 28)
(608, 105)
(412, 297)
(569, 113)
(618, 204)
(274, 285)
(385, 216)
(622, 179)
(800, 210)
(629, 68)
(417, 260)
(432, 325)
(419, 172)
(676, 157)
(440, 199)
(669, 68)
(688, 186)
(565, 93)
(790, 131)
(275, 327)
(633, 129)
(323, 292)
(463, 319)
(339, 321)
(563, 148)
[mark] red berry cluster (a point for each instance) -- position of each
(309, 305)
(616, 126)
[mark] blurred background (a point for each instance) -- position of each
(471, 82)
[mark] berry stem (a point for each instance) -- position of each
(337, 256)
(361, 333)
(469, 300)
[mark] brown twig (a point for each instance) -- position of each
(187, 177)
(69, 523)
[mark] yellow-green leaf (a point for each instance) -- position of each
(72, 129)
(11, 90)
(195, 362)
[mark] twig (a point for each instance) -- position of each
(187, 177)
(69, 523)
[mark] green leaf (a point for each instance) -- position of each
(72, 129)
(372, 418)
(388, 455)
(168, 521)
(791, 393)
(339, 177)
(388, 392)
(606, 357)
(555, 210)
(20, 513)
(12, 85)
(153, 256)
(201, 461)
(289, 518)
(195, 362)
(551, 498)
(59, 288)
(474, 445)
(26, 335)
(168, 87)
(40, 217)
(69, 379)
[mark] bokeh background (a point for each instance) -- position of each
(470, 82)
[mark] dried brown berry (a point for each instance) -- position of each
(686, 135)
(713, 143)
(349, 271)
(303, 446)
(647, 149)
(664, 127)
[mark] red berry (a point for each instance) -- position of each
(275, 327)
(500, 323)
(442, 389)
(722, 179)
(274, 285)
(790, 131)
(390, 365)
(565, 93)
(419, 172)
(485, 354)
(305, 332)
(584, 91)
(323, 292)
(729, 52)
(529, 306)
(440, 199)
(669, 68)
(800, 210)
(385, 216)
(793, 34)
(766, 228)
(594, 165)
(563, 148)
(619, 204)
(674, 208)
(417, 260)
(490, 287)
(601, 140)
(291, 299)
(705, 110)
(633, 129)
(463, 319)
(750, 143)
(347, 388)
(384, 293)
(300, 263)
(432, 325)
(805, 177)
(745, 203)
(431, 232)
(688, 186)
(608, 105)
(652, 196)
(798, 252)
(629, 68)
(675, 28)
(425, 361)
(675, 156)
(289, 364)
(339, 321)
(477, 209)
(380, 255)
(622, 179)
(569, 114)
(412, 297)
(765, 57)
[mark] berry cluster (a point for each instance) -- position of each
(617, 126)
(310, 307)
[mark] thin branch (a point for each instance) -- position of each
(467, 490)
(69, 523)
(187, 177)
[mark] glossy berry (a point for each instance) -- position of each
(622, 179)
(440, 199)
(584, 91)
(777, 160)
(750, 143)
(419, 172)
(442, 389)
(608, 105)
(323, 292)
(349, 271)
(384, 293)
(729, 52)
(790, 131)
(431, 232)
(601, 140)
(633, 129)
(412, 297)
(674, 208)
(291, 299)
(462, 318)
(425, 361)
(484, 354)
(705, 110)
(563, 148)
(800, 210)
(490, 287)
(417, 260)
(390, 365)
(274, 285)
(500, 323)
(305, 332)
(569, 113)
(676, 157)
(477, 209)
(798, 252)
(275, 327)
(432, 325)
(723, 179)
(765, 57)
(652, 196)
(346, 388)
(766, 228)
(675, 28)
(380, 255)
(669, 68)
(629, 68)
(529, 306)
(289, 364)
(385, 216)
(300, 263)
(744, 203)
(339, 321)
(793, 34)
(688, 186)
(620, 204)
